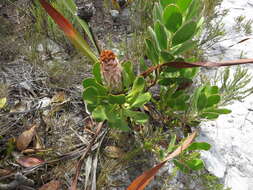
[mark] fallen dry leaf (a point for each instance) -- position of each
(113, 152)
(52, 185)
(2, 102)
(144, 179)
(4, 172)
(25, 138)
(29, 161)
(60, 97)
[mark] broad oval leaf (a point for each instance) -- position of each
(91, 82)
(199, 146)
(184, 33)
(152, 53)
(195, 164)
(161, 35)
(185, 47)
(212, 100)
(117, 99)
(97, 73)
(166, 56)
(172, 17)
(138, 117)
(128, 73)
(164, 3)
(202, 101)
(141, 100)
(90, 95)
(182, 166)
(99, 113)
(183, 4)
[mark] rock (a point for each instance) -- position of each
(231, 155)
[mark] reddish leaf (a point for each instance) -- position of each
(29, 161)
(69, 30)
(25, 138)
(196, 64)
(143, 180)
(62, 22)
(52, 185)
(4, 172)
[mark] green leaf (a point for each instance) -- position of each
(138, 117)
(99, 113)
(209, 115)
(91, 82)
(90, 95)
(217, 111)
(202, 100)
(138, 86)
(128, 73)
(181, 166)
(97, 73)
(212, 100)
(164, 3)
(141, 100)
(166, 56)
(172, 17)
(184, 33)
(152, 53)
(195, 164)
(194, 10)
(189, 73)
(2, 102)
(172, 144)
(161, 35)
(117, 99)
(211, 90)
(157, 12)
(185, 47)
(183, 4)
(71, 6)
(119, 123)
(199, 146)
(154, 39)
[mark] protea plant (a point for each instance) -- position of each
(111, 70)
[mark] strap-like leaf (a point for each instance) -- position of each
(69, 30)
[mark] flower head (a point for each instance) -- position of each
(111, 70)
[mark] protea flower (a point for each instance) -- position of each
(111, 70)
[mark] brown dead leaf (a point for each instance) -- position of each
(52, 185)
(29, 161)
(4, 172)
(25, 138)
(144, 179)
(60, 97)
(113, 152)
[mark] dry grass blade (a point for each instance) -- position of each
(181, 65)
(88, 166)
(80, 162)
(143, 180)
(25, 138)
